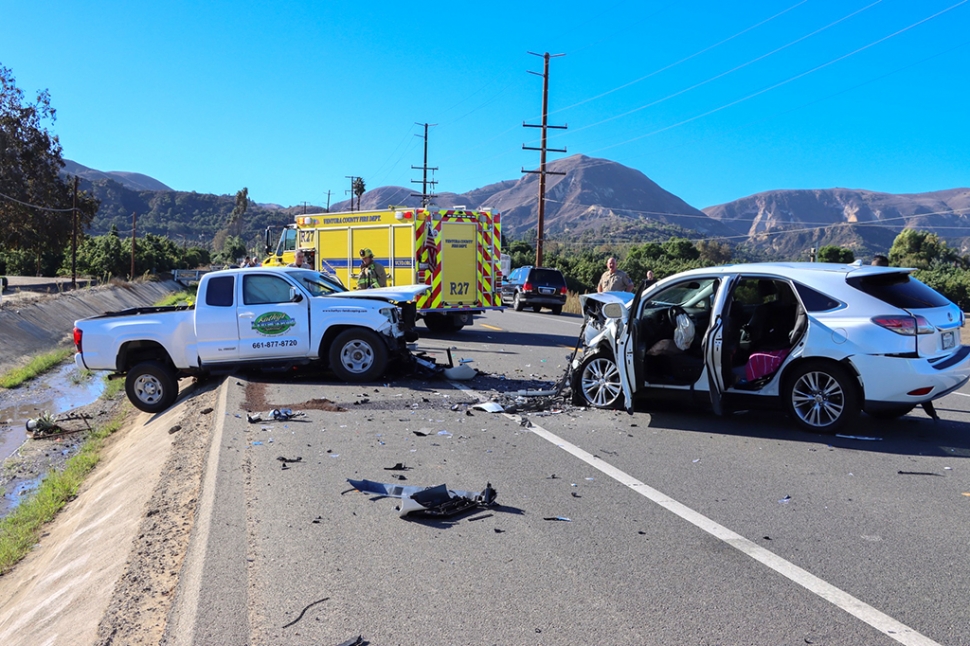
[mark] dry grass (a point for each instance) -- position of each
(572, 304)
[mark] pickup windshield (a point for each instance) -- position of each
(317, 283)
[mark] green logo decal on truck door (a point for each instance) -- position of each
(273, 323)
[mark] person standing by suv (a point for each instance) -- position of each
(613, 279)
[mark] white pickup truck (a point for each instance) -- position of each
(252, 317)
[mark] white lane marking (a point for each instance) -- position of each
(841, 599)
(961, 394)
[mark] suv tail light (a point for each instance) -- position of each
(77, 338)
(528, 287)
(562, 291)
(905, 325)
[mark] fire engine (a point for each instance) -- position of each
(456, 251)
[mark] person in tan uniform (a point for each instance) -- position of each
(613, 279)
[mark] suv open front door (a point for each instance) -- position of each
(627, 363)
(714, 344)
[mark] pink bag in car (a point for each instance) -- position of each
(764, 363)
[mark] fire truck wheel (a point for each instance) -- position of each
(439, 323)
(358, 355)
(460, 320)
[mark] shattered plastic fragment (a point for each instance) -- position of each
(859, 437)
(785, 500)
(561, 518)
(489, 407)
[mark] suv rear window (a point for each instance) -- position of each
(550, 277)
(900, 290)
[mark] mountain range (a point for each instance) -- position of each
(596, 201)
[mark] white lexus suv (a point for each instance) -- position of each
(821, 341)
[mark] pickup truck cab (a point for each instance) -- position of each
(272, 317)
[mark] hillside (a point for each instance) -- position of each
(594, 201)
(133, 181)
(788, 222)
(591, 194)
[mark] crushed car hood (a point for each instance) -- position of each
(399, 294)
(601, 299)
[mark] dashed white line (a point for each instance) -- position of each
(879, 620)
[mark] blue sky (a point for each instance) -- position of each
(712, 100)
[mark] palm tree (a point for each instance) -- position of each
(359, 189)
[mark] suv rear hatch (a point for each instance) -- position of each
(934, 320)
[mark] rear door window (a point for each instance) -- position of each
(550, 277)
(900, 290)
(219, 292)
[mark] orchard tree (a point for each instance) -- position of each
(36, 214)
(920, 249)
(713, 253)
(831, 253)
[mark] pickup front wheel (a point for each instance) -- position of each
(358, 355)
(151, 387)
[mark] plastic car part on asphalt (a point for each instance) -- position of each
(436, 501)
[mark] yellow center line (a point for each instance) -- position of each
(491, 327)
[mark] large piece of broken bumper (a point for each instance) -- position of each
(439, 501)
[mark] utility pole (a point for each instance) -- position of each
(134, 218)
(74, 238)
(425, 196)
(542, 151)
(328, 201)
(352, 179)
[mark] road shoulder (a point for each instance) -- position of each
(107, 565)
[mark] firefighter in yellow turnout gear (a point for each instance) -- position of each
(372, 274)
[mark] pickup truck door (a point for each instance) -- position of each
(215, 321)
(273, 319)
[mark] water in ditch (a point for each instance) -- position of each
(56, 392)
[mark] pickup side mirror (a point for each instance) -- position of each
(613, 311)
(295, 295)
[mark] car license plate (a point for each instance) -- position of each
(949, 339)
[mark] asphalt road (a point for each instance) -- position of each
(684, 528)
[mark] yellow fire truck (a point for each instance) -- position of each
(456, 251)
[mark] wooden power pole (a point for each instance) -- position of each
(542, 151)
(425, 196)
(74, 238)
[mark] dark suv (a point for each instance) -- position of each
(535, 287)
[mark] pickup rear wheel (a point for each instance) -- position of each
(151, 386)
(358, 355)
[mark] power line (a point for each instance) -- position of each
(786, 81)
(733, 69)
(34, 206)
(683, 60)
